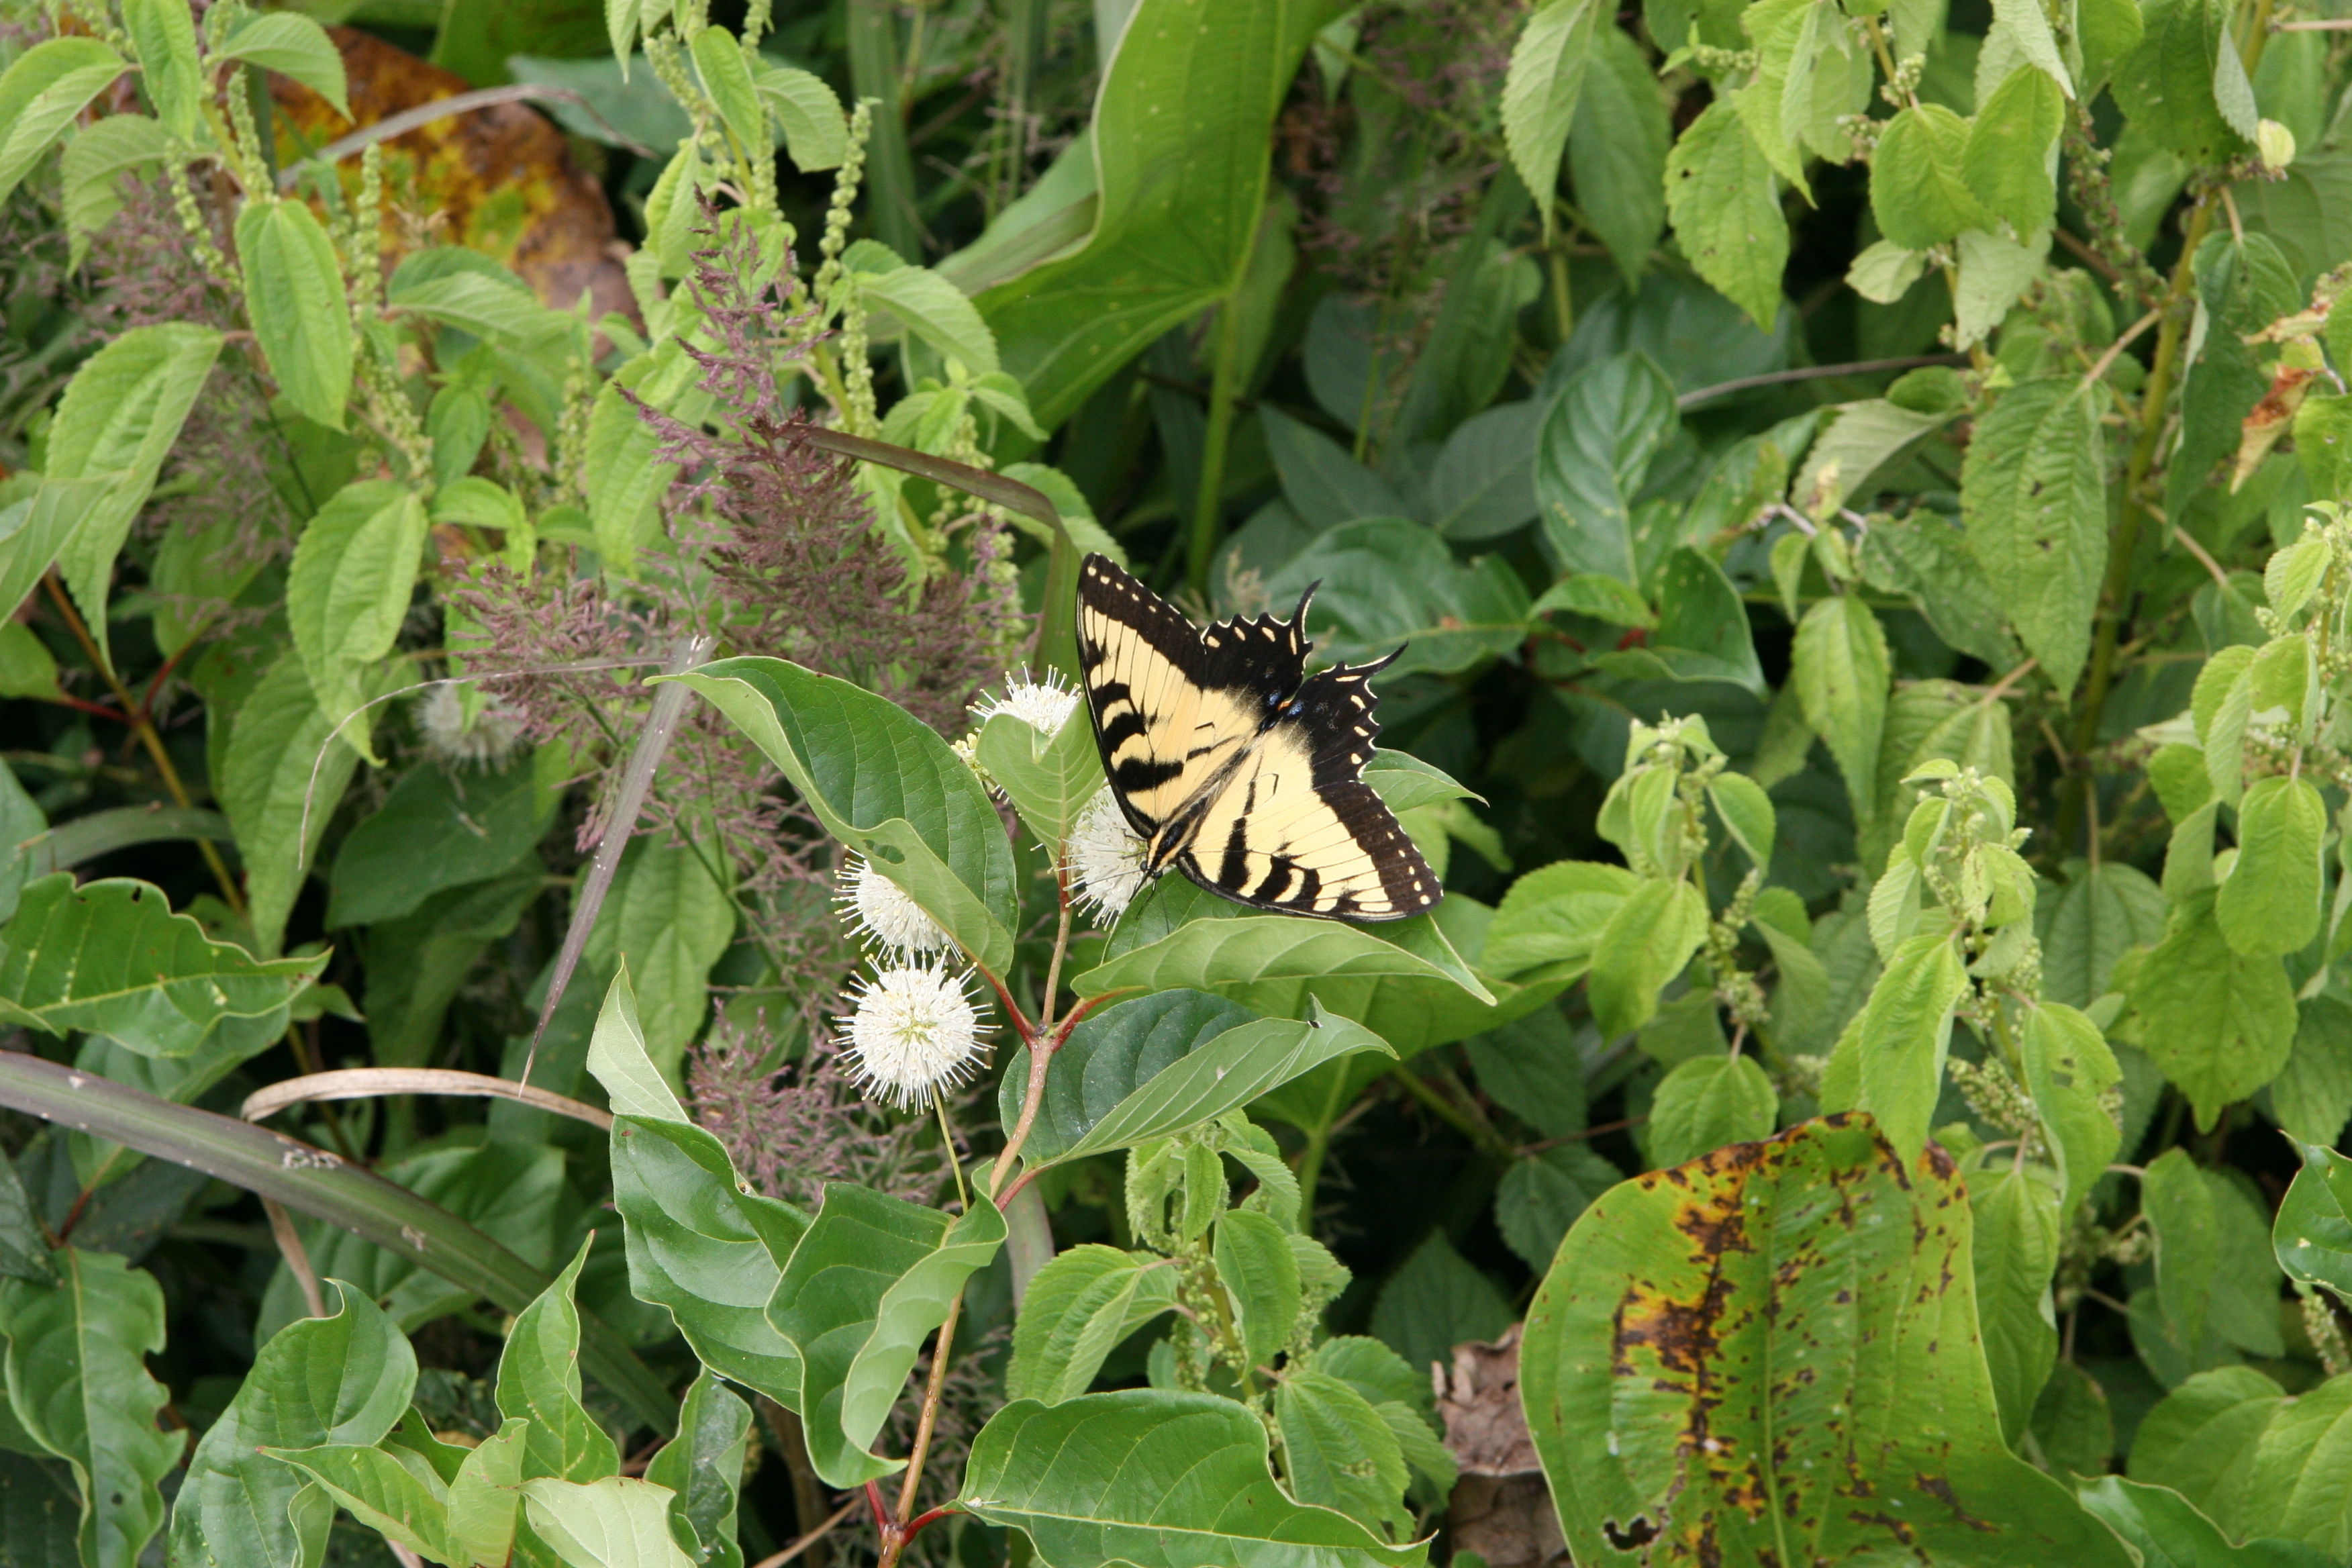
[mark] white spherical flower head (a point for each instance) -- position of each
(910, 1031)
(1107, 856)
(1045, 705)
(488, 741)
(880, 911)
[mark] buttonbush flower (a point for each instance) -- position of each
(910, 1030)
(880, 911)
(1045, 705)
(1107, 857)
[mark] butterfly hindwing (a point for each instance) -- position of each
(1237, 765)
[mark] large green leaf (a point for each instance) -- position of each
(538, 1380)
(1076, 1311)
(120, 416)
(885, 783)
(703, 1468)
(1155, 1478)
(1726, 206)
(2255, 1460)
(441, 828)
(284, 774)
(348, 590)
(2312, 1232)
(79, 1385)
(2168, 1531)
(872, 1276)
(1840, 671)
(616, 1522)
(1769, 1355)
(2219, 1023)
(1179, 140)
(1048, 779)
(700, 1246)
(343, 1379)
(1247, 956)
(1591, 458)
(1540, 93)
(2269, 905)
(1340, 1453)
(1386, 584)
(42, 92)
(1120, 1096)
(110, 957)
(294, 297)
(405, 1502)
(2035, 493)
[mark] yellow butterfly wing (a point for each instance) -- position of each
(1237, 766)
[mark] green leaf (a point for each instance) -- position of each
(1386, 582)
(1483, 484)
(815, 132)
(1707, 1102)
(2016, 1250)
(495, 306)
(2201, 1440)
(294, 297)
(2164, 85)
(884, 783)
(1701, 633)
(2034, 492)
(1110, 1055)
(2269, 905)
(163, 34)
(872, 1276)
(291, 45)
(699, 1245)
(343, 1379)
(934, 310)
(486, 1494)
(1862, 443)
(1648, 939)
(1182, 126)
(1048, 779)
(1720, 193)
(2102, 910)
(1542, 1195)
(670, 922)
(538, 1380)
(1155, 1478)
(2005, 160)
(1926, 556)
(119, 418)
(1666, 1325)
(2068, 1070)
(95, 161)
(1747, 812)
(2220, 1025)
(280, 780)
(440, 829)
(1540, 91)
(1906, 1029)
(2313, 1093)
(112, 957)
(1076, 1311)
(1617, 151)
(703, 1468)
(2168, 1532)
(1919, 190)
(1256, 1265)
(620, 471)
(1250, 956)
(41, 92)
(390, 1493)
(1323, 485)
(1223, 1064)
(1338, 1452)
(79, 1385)
(616, 1522)
(348, 590)
(726, 72)
(1840, 670)
(2214, 1266)
(1435, 1301)
(2312, 1236)
(1594, 453)
(1403, 782)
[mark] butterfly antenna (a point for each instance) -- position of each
(1299, 616)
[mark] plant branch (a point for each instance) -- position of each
(145, 728)
(1814, 373)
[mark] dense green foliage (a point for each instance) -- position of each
(1861, 490)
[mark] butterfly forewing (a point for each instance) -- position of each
(1237, 765)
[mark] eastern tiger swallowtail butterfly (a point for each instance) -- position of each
(1234, 763)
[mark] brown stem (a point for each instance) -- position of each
(942, 1352)
(137, 717)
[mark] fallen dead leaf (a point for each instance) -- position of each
(1501, 1508)
(500, 180)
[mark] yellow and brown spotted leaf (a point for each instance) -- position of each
(1770, 1357)
(500, 180)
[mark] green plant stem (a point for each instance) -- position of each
(1487, 1140)
(873, 26)
(1224, 388)
(144, 729)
